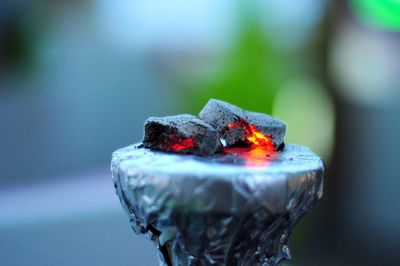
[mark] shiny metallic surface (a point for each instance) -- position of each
(217, 210)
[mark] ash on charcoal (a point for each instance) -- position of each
(220, 115)
(268, 125)
(235, 124)
(182, 134)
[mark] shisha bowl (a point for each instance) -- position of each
(219, 210)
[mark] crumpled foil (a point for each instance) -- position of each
(217, 210)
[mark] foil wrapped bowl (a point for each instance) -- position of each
(217, 210)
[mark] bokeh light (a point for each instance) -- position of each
(364, 65)
(308, 110)
(383, 14)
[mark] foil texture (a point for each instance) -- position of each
(206, 211)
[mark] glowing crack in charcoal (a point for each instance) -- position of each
(204, 202)
(178, 144)
(183, 134)
(260, 148)
(183, 145)
(254, 137)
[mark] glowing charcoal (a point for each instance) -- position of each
(267, 125)
(220, 115)
(237, 126)
(181, 134)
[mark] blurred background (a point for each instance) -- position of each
(78, 78)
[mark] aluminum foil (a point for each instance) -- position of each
(217, 210)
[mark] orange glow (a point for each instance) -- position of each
(254, 137)
(261, 150)
(259, 140)
(253, 156)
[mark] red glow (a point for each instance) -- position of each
(253, 156)
(183, 144)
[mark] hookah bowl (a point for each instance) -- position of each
(217, 210)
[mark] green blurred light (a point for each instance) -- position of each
(378, 13)
(308, 110)
(249, 74)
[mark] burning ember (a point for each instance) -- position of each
(260, 148)
(249, 135)
(184, 144)
(254, 137)
(181, 134)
